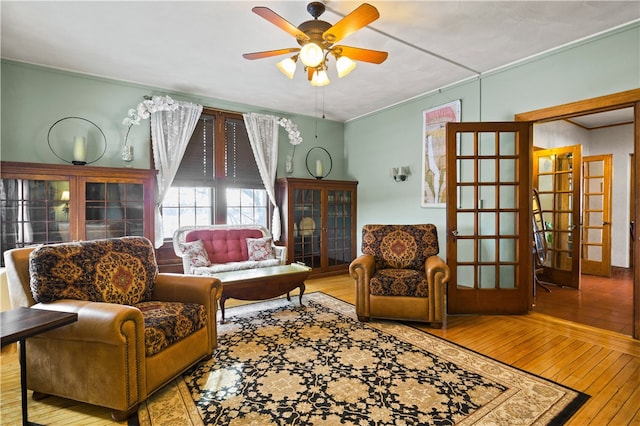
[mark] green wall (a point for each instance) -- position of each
(34, 98)
(365, 149)
(603, 65)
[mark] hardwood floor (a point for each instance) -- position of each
(601, 302)
(601, 363)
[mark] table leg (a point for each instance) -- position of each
(222, 300)
(23, 379)
(23, 383)
(302, 288)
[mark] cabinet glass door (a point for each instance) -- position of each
(339, 227)
(307, 227)
(33, 212)
(114, 210)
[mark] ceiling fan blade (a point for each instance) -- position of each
(280, 22)
(269, 53)
(362, 16)
(359, 54)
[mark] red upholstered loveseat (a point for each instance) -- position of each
(210, 249)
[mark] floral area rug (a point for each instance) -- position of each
(281, 363)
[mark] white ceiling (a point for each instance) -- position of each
(195, 47)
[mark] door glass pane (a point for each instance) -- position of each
(592, 253)
(507, 276)
(507, 170)
(595, 168)
(507, 197)
(487, 144)
(114, 210)
(487, 277)
(466, 250)
(465, 144)
(593, 202)
(34, 212)
(339, 227)
(466, 171)
(546, 164)
(487, 170)
(593, 219)
(508, 223)
(545, 183)
(487, 197)
(594, 185)
(487, 250)
(306, 231)
(507, 250)
(507, 143)
(594, 235)
(466, 199)
(465, 276)
(466, 223)
(487, 223)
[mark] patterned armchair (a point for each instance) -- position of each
(400, 275)
(137, 329)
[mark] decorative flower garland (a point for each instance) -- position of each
(145, 109)
(294, 134)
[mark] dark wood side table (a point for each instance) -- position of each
(21, 323)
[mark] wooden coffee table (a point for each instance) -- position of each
(262, 283)
(21, 323)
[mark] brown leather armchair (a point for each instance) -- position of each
(399, 275)
(137, 329)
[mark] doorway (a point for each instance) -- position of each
(629, 99)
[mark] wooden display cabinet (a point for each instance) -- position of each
(49, 203)
(318, 223)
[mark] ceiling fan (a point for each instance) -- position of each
(317, 40)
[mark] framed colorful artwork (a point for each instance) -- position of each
(434, 153)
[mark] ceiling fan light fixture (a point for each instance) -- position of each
(311, 55)
(344, 65)
(287, 67)
(320, 78)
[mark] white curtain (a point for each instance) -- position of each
(263, 135)
(170, 131)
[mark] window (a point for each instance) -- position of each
(245, 206)
(218, 179)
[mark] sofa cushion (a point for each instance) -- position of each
(399, 282)
(195, 253)
(260, 248)
(167, 322)
(224, 245)
(119, 270)
(400, 246)
(234, 266)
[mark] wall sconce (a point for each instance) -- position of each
(401, 173)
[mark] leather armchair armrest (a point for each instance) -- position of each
(101, 322)
(361, 270)
(437, 272)
(362, 266)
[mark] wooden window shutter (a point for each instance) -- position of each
(197, 167)
(240, 165)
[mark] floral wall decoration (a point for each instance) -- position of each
(143, 111)
(294, 139)
(434, 153)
